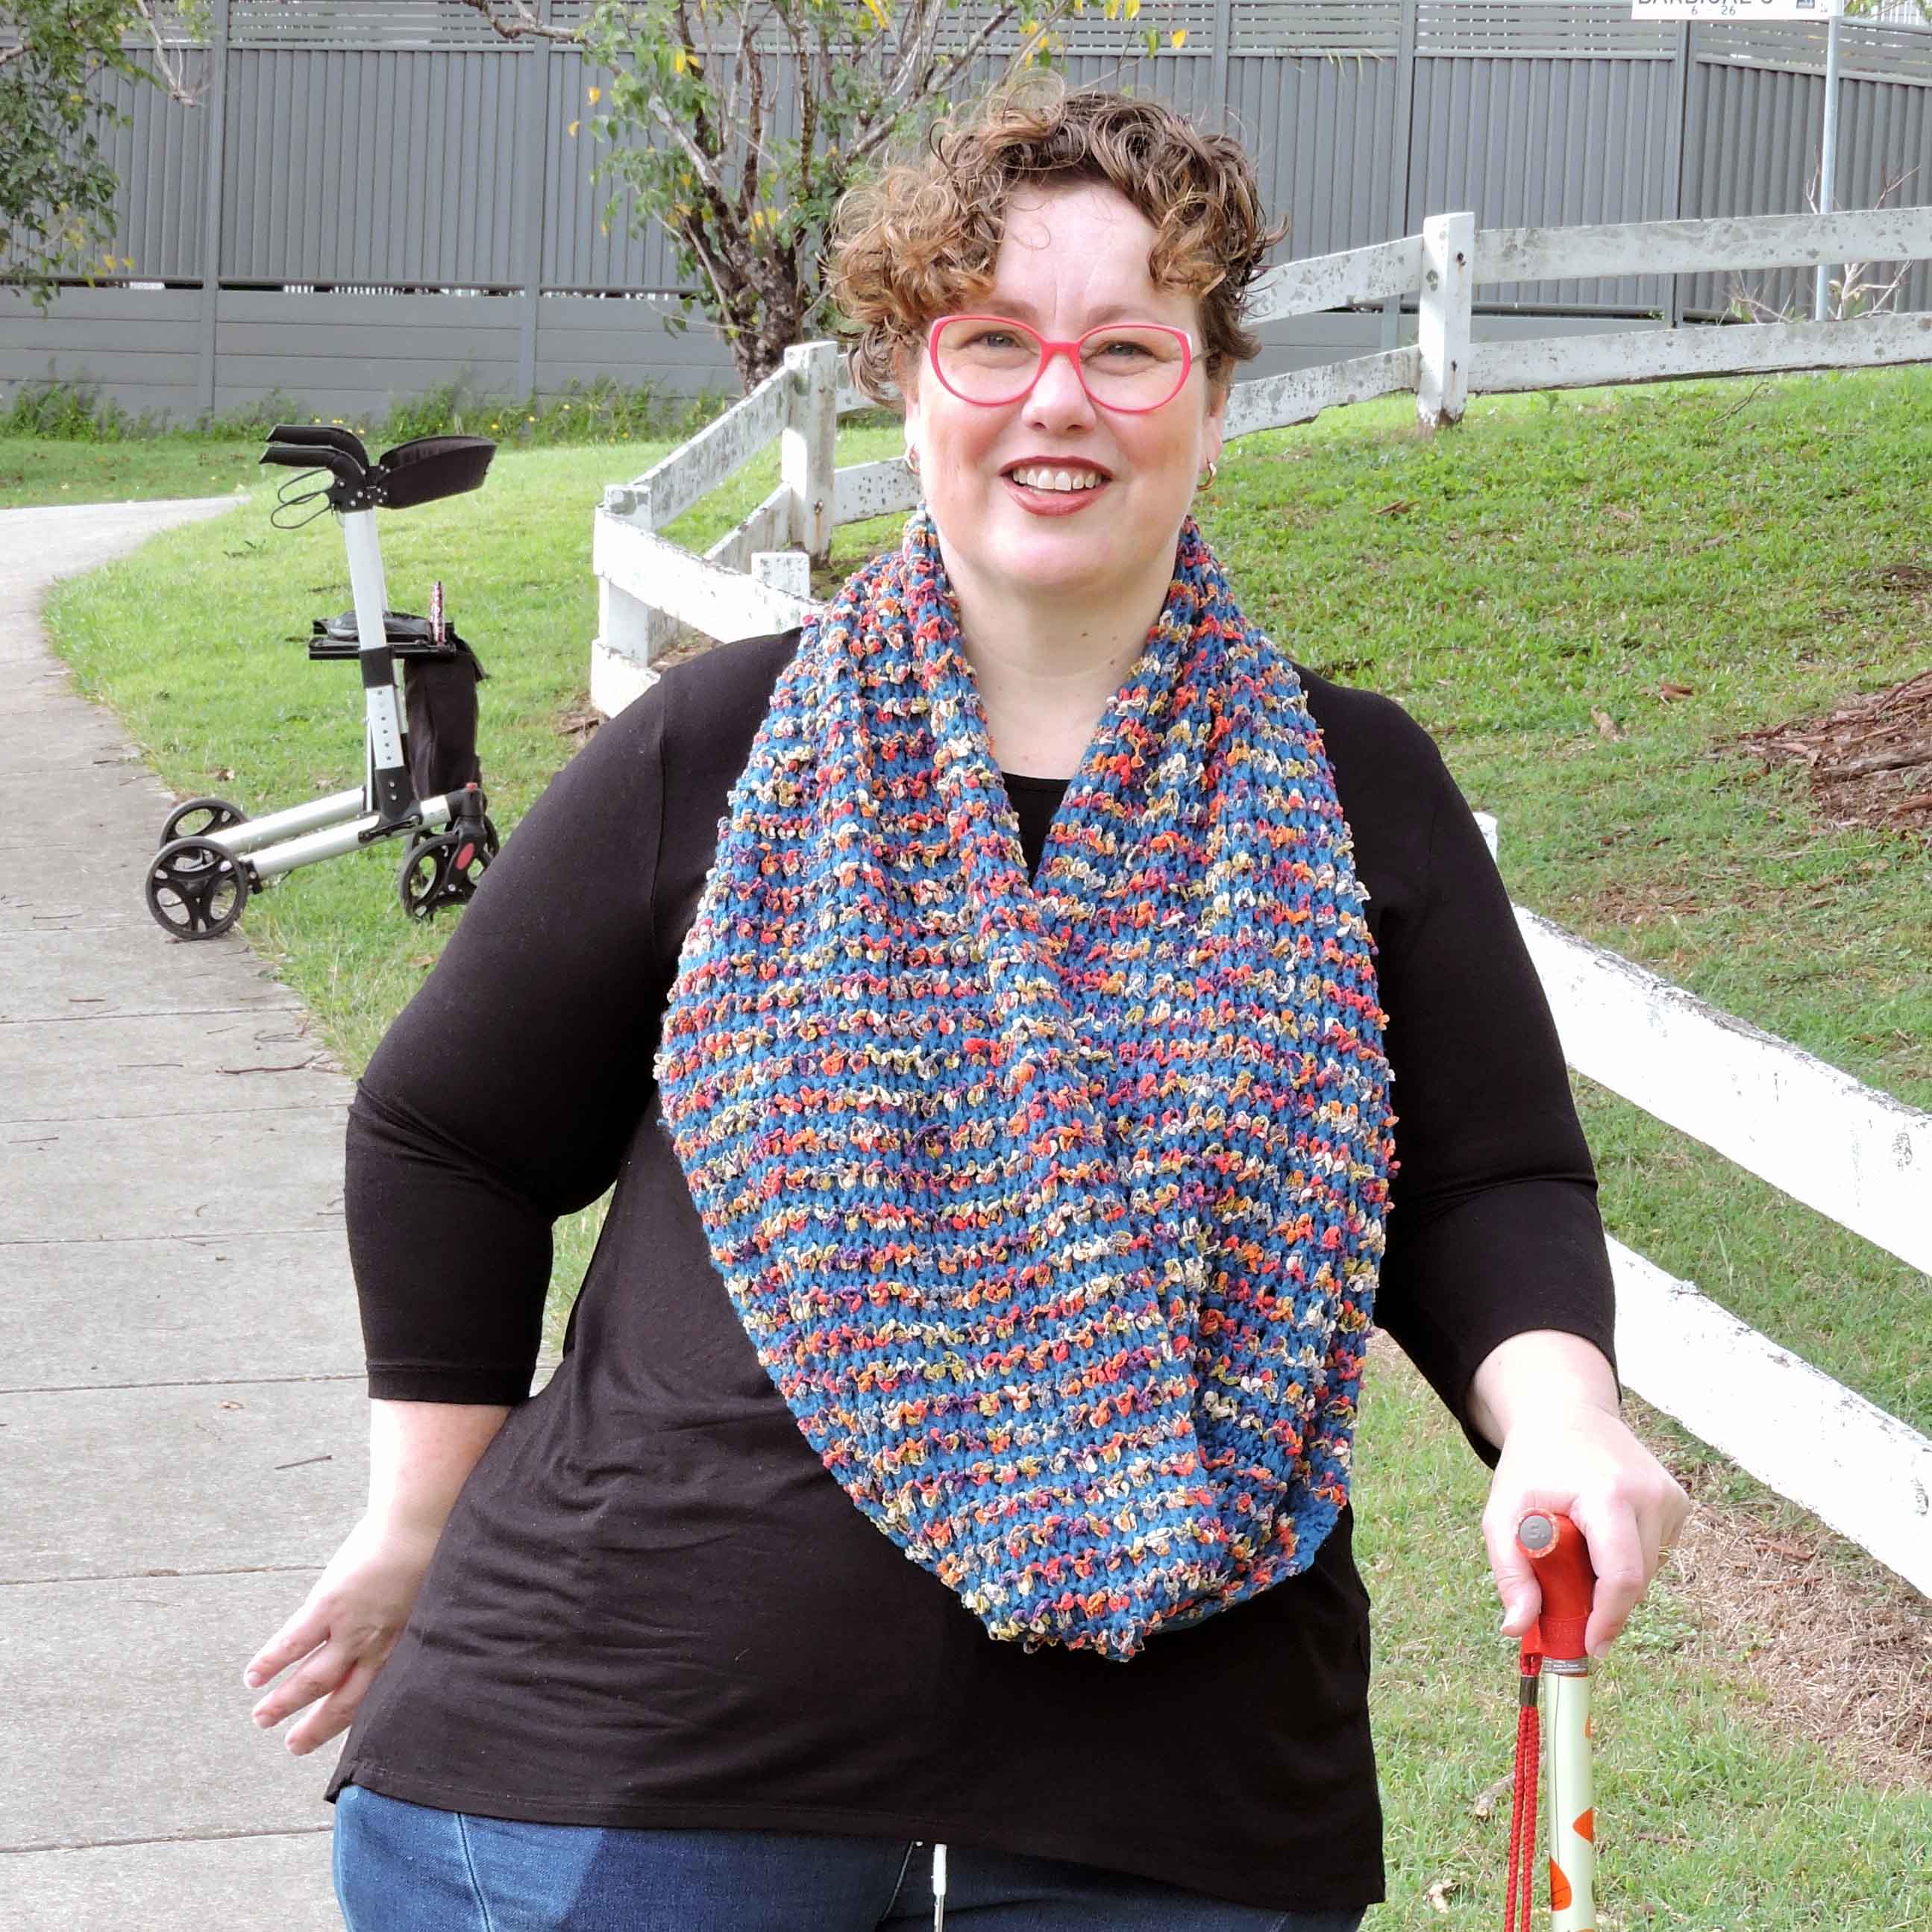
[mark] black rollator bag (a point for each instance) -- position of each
(439, 697)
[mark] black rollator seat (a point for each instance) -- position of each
(423, 470)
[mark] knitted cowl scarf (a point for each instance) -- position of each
(1054, 1209)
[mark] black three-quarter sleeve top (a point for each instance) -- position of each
(652, 1606)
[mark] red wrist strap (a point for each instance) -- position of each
(1522, 1810)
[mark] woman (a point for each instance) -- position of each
(988, 1001)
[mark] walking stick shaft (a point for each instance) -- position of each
(1554, 1648)
(1572, 1823)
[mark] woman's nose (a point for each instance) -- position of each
(1057, 390)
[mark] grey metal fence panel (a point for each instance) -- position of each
(142, 349)
(159, 161)
(1526, 140)
(1756, 118)
(581, 250)
(337, 351)
(376, 163)
(370, 166)
(1319, 132)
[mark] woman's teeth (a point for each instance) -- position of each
(1057, 479)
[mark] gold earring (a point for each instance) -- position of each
(912, 459)
(1208, 482)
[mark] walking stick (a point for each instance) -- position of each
(1553, 1650)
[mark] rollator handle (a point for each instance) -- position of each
(338, 462)
(1568, 1582)
(345, 440)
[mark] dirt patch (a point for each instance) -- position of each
(1869, 761)
(1839, 1649)
(580, 717)
(1628, 903)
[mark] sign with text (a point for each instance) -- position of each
(1735, 10)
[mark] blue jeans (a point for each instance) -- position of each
(403, 1868)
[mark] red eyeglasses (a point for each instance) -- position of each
(1132, 367)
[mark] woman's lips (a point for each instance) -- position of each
(1053, 502)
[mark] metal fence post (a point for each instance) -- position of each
(1442, 318)
(1828, 160)
(807, 455)
(1679, 145)
(1404, 159)
(1217, 86)
(527, 238)
(213, 134)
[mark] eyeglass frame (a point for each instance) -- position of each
(1048, 350)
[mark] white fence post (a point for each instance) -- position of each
(629, 633)
(808, 459)
(1442, 318)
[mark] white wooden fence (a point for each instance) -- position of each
(1853, 1153)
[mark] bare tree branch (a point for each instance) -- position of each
(754, 127)
(523, 24)
(168, 69)
(749, 24)
(699, 160)
(882, 131)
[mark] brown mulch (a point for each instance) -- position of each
(1870, 761)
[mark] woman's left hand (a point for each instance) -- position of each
(1581, 1461)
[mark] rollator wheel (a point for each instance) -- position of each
(201, 818)
(443, 868)
(196, 890)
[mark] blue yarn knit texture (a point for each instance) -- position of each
(1054, 1209)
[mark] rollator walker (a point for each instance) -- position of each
(420, 780)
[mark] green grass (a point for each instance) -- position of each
(1501, 605)
(37, 469)
(62, 444)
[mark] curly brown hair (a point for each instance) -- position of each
(921, 239)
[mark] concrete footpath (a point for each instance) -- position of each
(183, 1423)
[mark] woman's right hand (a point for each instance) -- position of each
(343, 1634)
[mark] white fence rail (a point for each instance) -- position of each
(1860, 1157)
(1813, 1132)
(1857, 1155)
(1853, 1154)
(1865, 1473)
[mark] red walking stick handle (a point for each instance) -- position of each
(1563, 1574)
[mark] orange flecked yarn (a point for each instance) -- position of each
(1054, 1209)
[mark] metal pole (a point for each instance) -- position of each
(1680, 144)
(1217, 87)
(1827, 161)
(212, 133)
(1402, 159)
(526, 218)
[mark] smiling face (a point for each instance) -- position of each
(1071, 256)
